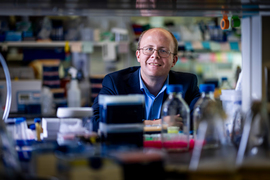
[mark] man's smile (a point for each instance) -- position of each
(154, 64)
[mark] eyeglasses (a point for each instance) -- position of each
(161, 52)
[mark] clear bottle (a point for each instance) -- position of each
(225, 83)
(207, 94)
(254, 146)
(23, 140)
(175, 121)
(21, 130)
(74, 92)
(211, 150)
(10, 126)
(47, 102)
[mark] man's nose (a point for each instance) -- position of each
(155, 53)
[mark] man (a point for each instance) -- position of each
(157, 54)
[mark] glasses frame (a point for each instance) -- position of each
(169, 52)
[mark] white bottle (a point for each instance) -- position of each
(74, 93)
(47, 102)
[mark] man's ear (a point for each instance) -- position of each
(175, 59)
(138, 55)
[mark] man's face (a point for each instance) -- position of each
(154, 65)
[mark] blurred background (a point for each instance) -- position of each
(99, 45)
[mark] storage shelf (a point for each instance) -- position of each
(127, 8)
(49, 44)
(211, 46)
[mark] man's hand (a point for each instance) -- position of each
(170, 121)
(152, 122)
(174, 121)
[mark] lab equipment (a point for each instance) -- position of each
(225, 83)
(19, 73)
(23, 140)
(47, 104)
(255, 142)
(50, 75)
(26, 96)
(175, 121)
(231, 103)
(74, 93)
(207, 94)
(81, 126)
(38, 129)
(21, 130)
(9, 161)
(211, 148)
(84, 113)
(50, 128)
(10, 167)
(237, 128)
(10, 126)
(33, 129)
(81, 63)
(253, 153)
(238, 86)
(120, 34)
(122, 119)
(62, 130)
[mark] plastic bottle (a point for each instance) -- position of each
(47, 102)
(225, 83)
(211, 150)
(207, 94)
(175, 121)
(23, 139)
(84, 85)
(21, 129)
(10, 126)
(74, 93)
(32, 127)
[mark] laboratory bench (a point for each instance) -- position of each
(91, 158)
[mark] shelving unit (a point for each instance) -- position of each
(211, 45)
(50, 43)
(63, 43)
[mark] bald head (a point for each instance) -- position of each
(161, 30)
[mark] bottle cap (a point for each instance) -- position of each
(37, 120)
(174, 88)
(224, 78)
(32, 126)
(207, 88)
(10, 121)
(19, 120)
(73, 72)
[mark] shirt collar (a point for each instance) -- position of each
(143, 88)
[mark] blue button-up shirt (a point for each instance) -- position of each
(153, 104)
